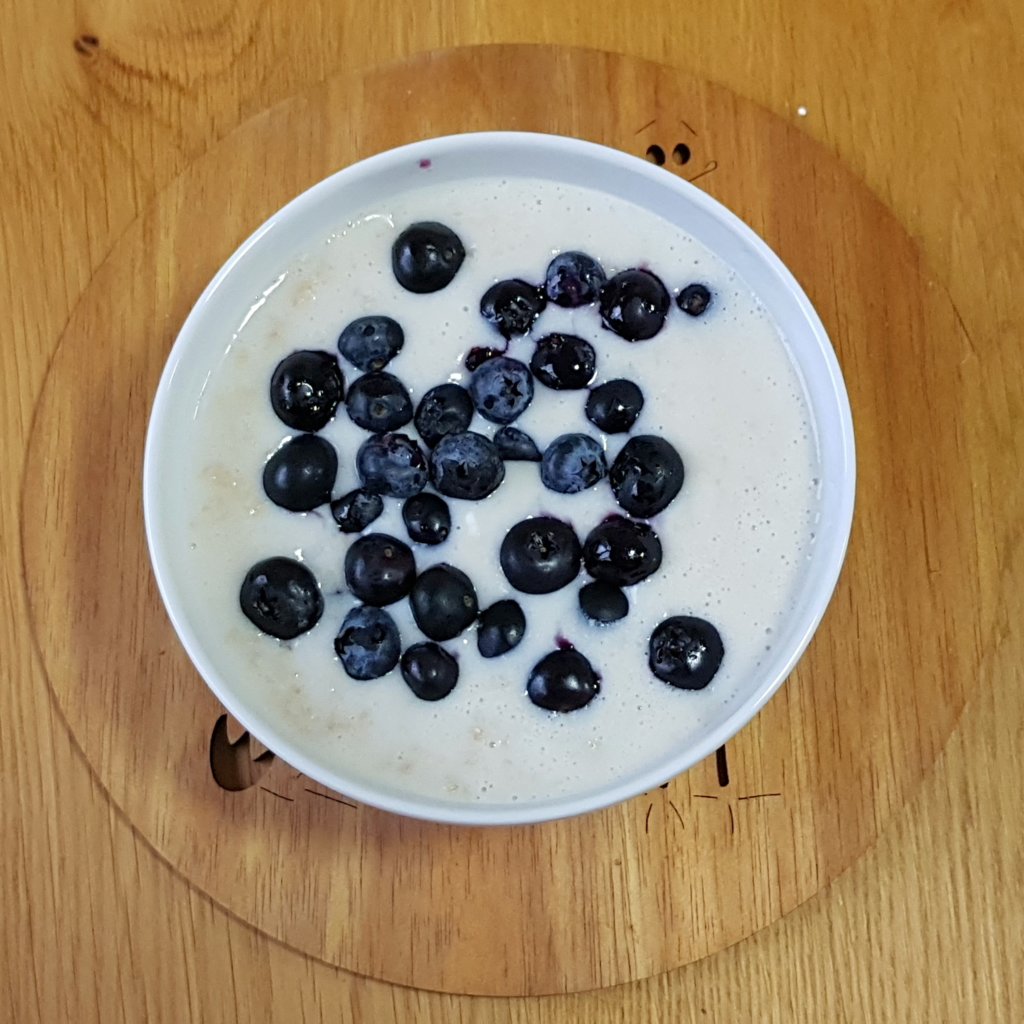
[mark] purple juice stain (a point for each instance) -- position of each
(425, 164)
(564, 643)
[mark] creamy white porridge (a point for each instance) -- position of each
(736, 541)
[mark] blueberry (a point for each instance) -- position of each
(446, 409)
(300, 474)
(353, 512)
(305, 389)
(512, 306)
(634, 304)
(281, 597)
(501, 627)
(479, 355)
(430, 671)
(368, 643)
(621, 551)
(646, 475)
(694, 299)
(466, 465)
(685, 651)
(393, 465)
(378, 401)
(427, 518)
(563, 681)
(443, 602)
(603, 602)
(574, 279)
(379, 569)
(502, 388)
(540, 555)
(371, 342)
(515, 445)
(564, 362)
(426, 257)
(614, 406)
(572, 463)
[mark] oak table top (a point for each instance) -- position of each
(107, 106)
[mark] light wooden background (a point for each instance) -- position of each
(106, 103)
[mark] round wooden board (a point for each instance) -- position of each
(640, 888)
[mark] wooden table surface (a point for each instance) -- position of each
(105, 103)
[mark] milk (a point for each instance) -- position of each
(721, 388)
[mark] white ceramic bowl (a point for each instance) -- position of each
(510, 154)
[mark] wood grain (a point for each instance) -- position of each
(599, 900)
(928, 925)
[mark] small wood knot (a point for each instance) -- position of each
(86, 45)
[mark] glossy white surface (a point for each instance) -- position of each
(738, 541)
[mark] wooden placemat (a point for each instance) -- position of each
(637, 889)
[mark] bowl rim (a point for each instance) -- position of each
(828, 565)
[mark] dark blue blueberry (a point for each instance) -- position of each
(574, 279)
(634, 304)
(515, 445)
(466, 465)
(563, 681)
(378, 401)
(479, 355)
(281, 597)
(614, 406)
(603, 602)
(379, 569)
(621, 551)
(426, 257)
(443, 602)
(694, 299)
(502, 388)
(430, 671)
(305, 389)
(564, 362)
(685, 651)
(646, 475)
(393, 465)
(353, 512)
(371, 342)
(368, 643)
(512, 306)
(572, 463)
(446, 409)
(540, 555)
(300, 474)
(427, 518)
(501, 627)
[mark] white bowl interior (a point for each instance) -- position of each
(236, 288)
